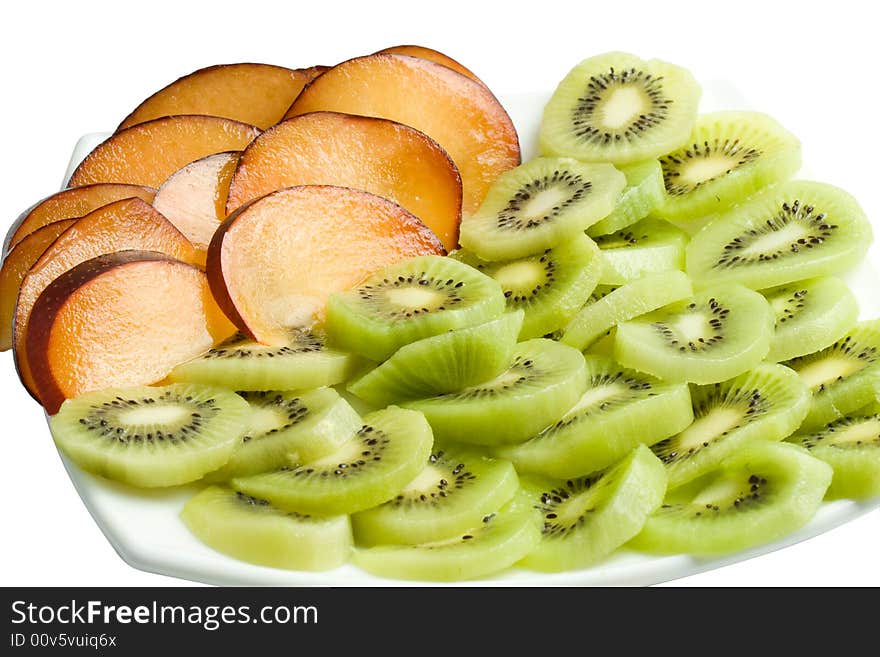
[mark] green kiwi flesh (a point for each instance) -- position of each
(851, 446)
(711, 337)
(810, 315)
(453, 493)
(586, 519)
(763, 492)
(442, 363)
(239, 363)
(651, 245)
(766, 403)
(644, 191)
(621, 109)
(370, 469)
(305, 426)
(730, 156)
(252, 530)
(543, 381)
(789, 232)
(619, 410)
(540, 204)
(408, 301)
(549, 287)
(497, 542)
(843, 377)
(608, 306)
(151, 436)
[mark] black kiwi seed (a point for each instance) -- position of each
(449, 287)
(599, 87)
(716, 325)
(674, 163)
(845, 347)
(524, 367)
(573, 184)
(551, 501)
(816, 222)
(458, 477)
(751, 401)
(256, 502)
(302, 342)
(793, 305)
(103, 419)
(840, 425)
(373, 444)
(620, 239)
(293, 408)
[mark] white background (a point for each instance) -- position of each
(76, 67)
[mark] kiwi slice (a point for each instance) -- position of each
(843, 377)
(539, 204)
(711, 337)
(763, 492)
(644, 191)
(621, 109)
(789, 232)
(550, 287)
(651, 245)
(851, 446)
(766, 403)
(619, 410)
(586, 519)
(151, 436)
(453, 493)
(729, 156)
(497, 542)
(413, 299)
(252, 530)
(282, 425)
(442, 363)
(543, 381)
(371, 468)
(608, 306)
(810, 315)
(239, 363)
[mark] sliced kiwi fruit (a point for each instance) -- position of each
(621, 109)
(766, 403)
(550, 287)
(151, 436)
(544, 380)
(383, 456)
(644, 191)
(442, 363)
(851, 446)
(608, 306)
(413, 299)
(588, 518)
(540, 204)
(239, 363)
(651, 245)
(843, 377)
(711, 337)
(729, 156)
(252, 530)
(787, 233)
(810, 315)
(305, 426)
(619, 410)
(763, 492)
(455, 490)
(497, 542)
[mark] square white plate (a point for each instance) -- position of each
(144, 528)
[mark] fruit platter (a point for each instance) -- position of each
(370, 324)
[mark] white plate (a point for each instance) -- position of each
(144, 528)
